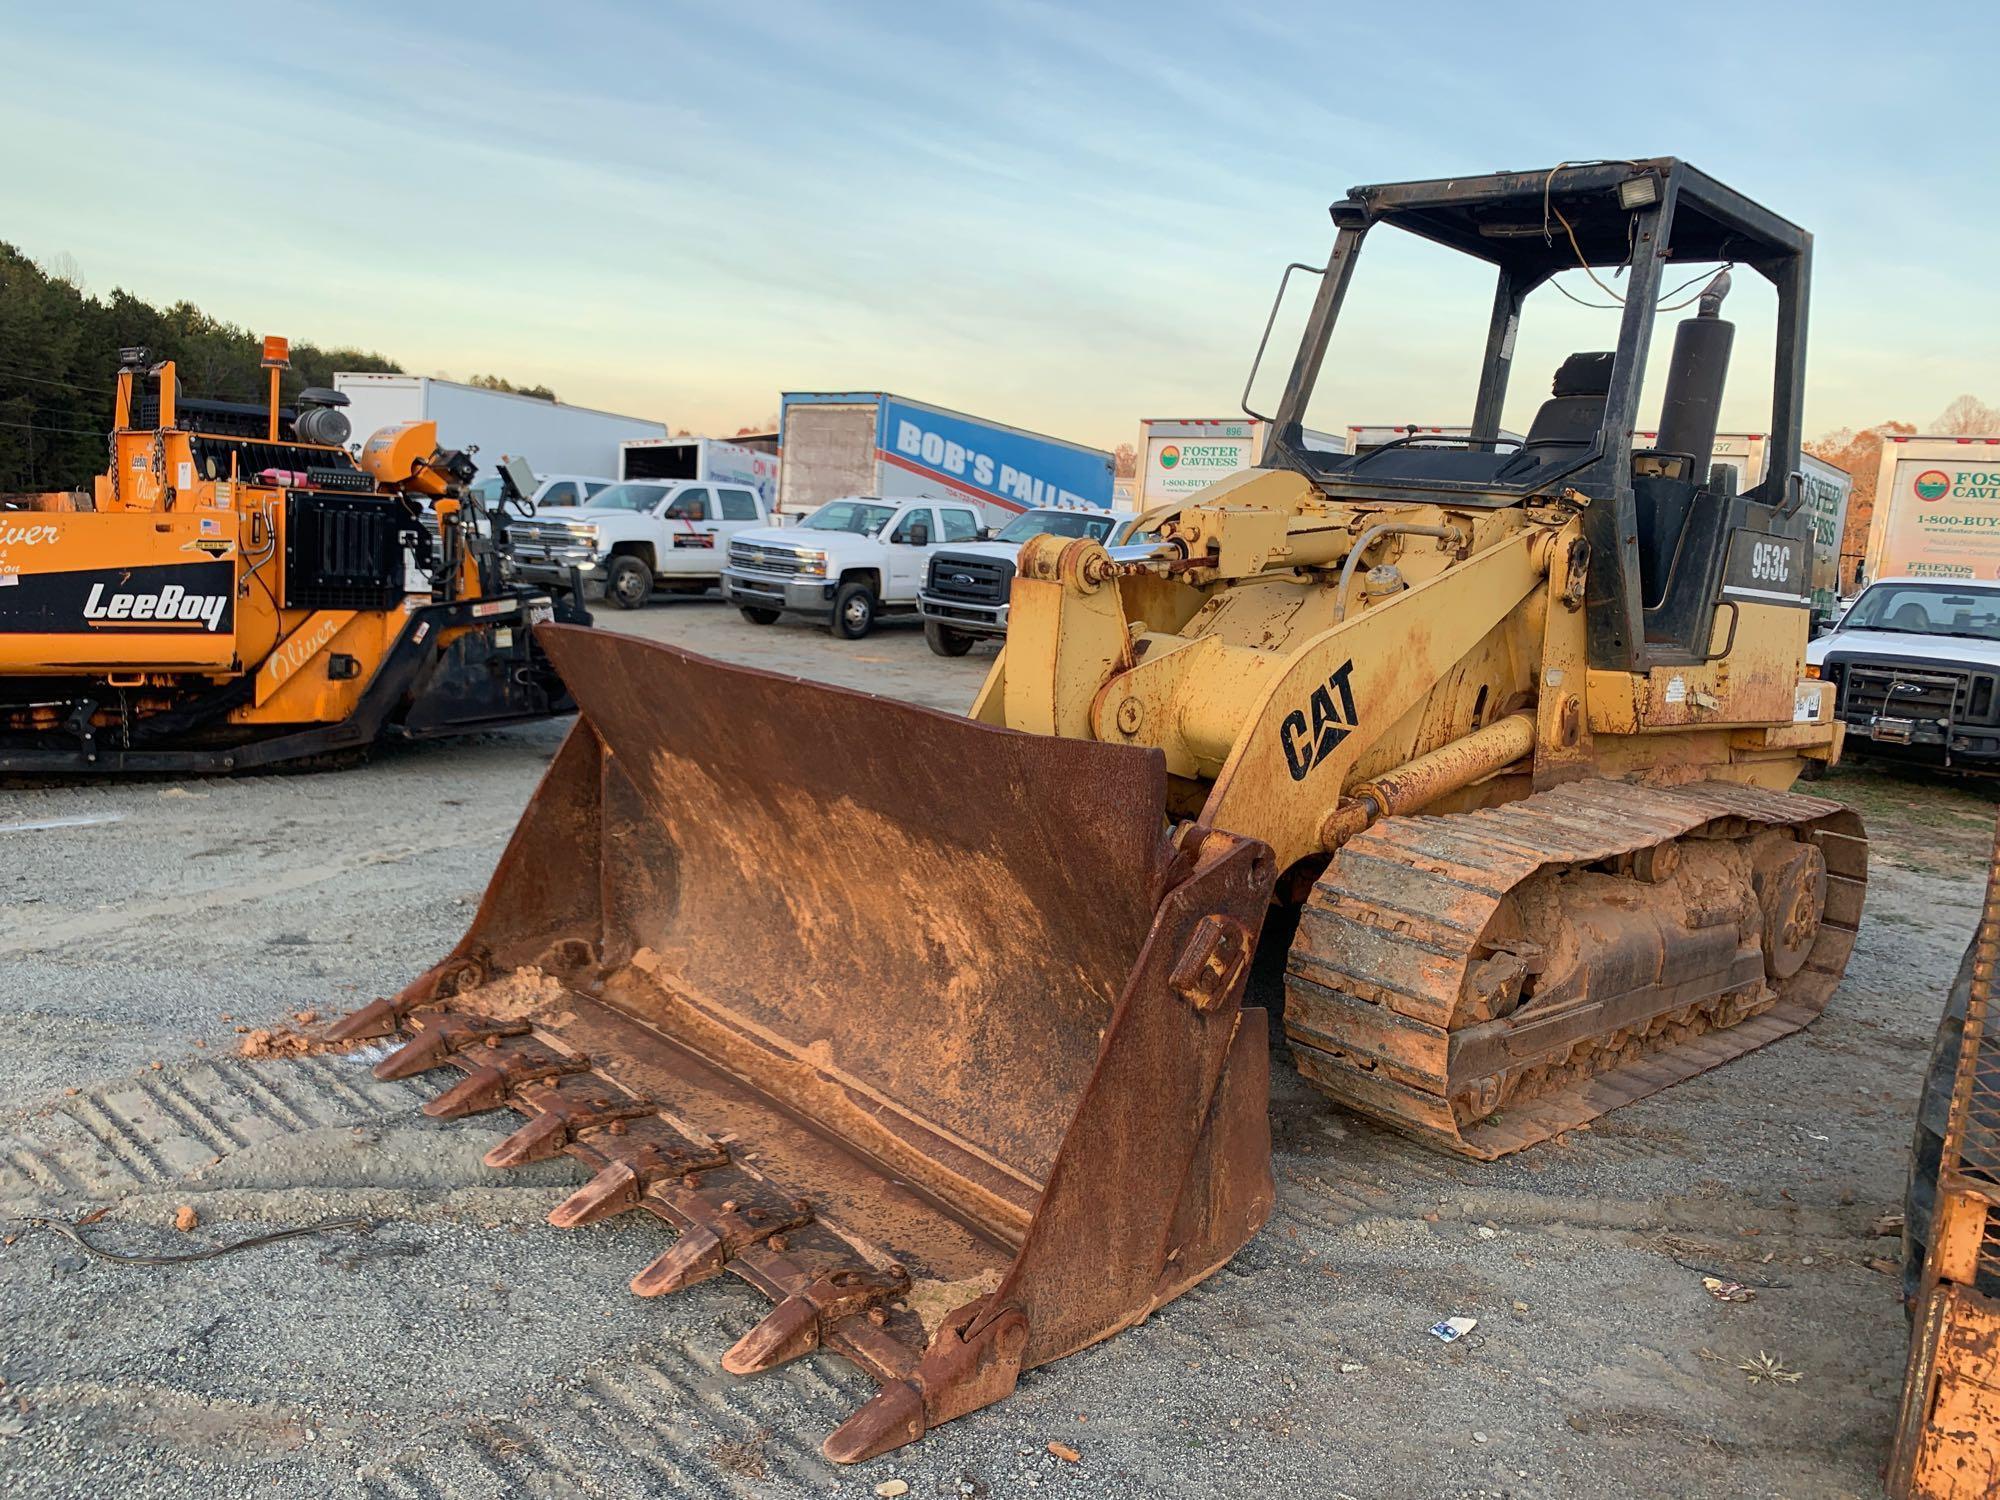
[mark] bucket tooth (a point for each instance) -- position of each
(717, 1233)
(379, 1017)
(974, 1360)
(893, 1418)
(488, 1086)
(427, 1050)
(798, 1325)
(696, 1256)
(439, 1041)
(542, 1137)
(616, 1189)
(785, 1333)
(623, 1181)
(481, 1089)
(561, 1121)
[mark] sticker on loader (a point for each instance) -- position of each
(1333, 719)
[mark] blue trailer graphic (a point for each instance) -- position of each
(914, 448)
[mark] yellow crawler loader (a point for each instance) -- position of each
(933, 1028)
(1948, 1428)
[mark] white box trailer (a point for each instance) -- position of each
(1937, 509)
(751, 461)
(1741, 451)
(1179, 456)
(552, 437)
(836, 443)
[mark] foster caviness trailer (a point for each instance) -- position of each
(1937, 509)
(1181, 456)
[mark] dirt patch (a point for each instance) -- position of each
(1922, 820)
(934, 1301)
(290, 1041)
(745, 1458)
(523, 994)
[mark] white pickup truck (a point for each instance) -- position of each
(1915, 668)
(631, 538)
(965, 593)
(850, 562)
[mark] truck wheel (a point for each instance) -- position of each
(628, 583)
(944, 641)
(757, 616)
(853, 611)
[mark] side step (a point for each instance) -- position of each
(1486, 980)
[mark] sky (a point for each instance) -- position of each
(1065, 218)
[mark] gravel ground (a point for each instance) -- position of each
(462, 1347)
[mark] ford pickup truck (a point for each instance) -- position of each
(964, 597)
(1915, 668)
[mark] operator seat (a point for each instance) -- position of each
(1569, 419)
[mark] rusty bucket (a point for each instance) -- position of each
(930, 1031)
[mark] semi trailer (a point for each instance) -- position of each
(552, 436)
(871, 443)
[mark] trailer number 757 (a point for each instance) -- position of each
(1309, 734)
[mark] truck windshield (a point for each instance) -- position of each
(856, 516)
(627, 497)
(1927, 609)
(1054, 523)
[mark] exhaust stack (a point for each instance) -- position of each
(1700, 365)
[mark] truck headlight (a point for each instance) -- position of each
(584, 535)
(812, 564)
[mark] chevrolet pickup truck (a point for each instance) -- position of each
(632, 538)
(850, 562)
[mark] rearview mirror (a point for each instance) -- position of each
(919, 535)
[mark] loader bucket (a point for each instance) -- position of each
(930, 1031)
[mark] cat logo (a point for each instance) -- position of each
(1333, 719)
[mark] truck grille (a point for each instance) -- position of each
(762, 559)
(546, 534)
(1903, 690)
(971, 580)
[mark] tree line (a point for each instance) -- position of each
(59, 354)
(59, 360)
